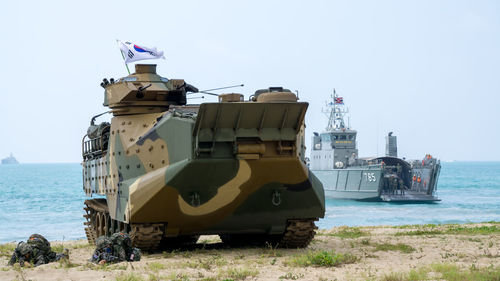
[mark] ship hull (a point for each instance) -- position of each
(351, 183)
(354, 195)
(366, 183)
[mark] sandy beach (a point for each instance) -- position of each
(413, 252)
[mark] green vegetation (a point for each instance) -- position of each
(394, 276)
(413, 275)
(170, 254)
(349, 232)
(129, 277)
(271, 251)
(156, 266)
(238, 273)
(66, 263)
(454, 273)
(178, 277)
(154, 277)
(404, 248)
(102, 267)
(58, 248)
(449, 272)
(208, 263)
(323, 258)
(412, 226)
(81, 246)
(474, 240)
(420, 232)
(292, 276)
(365, 242)
(213, 279)
(6, 250)
(453, 229)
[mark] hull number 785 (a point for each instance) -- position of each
(370, 176)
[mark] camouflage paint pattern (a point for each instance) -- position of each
(226, 167)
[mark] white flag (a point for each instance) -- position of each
(133, 52)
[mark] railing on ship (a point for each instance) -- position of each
(94, 148)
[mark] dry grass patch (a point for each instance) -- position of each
(129, 277)
(238, 273)
(401, 247)
(452, 229)
(6, 250)
(346, 232)
(448, 272)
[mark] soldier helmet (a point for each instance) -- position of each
(103, 242)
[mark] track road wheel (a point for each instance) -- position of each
(146, 236)
(298, 233)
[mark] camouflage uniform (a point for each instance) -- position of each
(35, 251)
(104, 250)
(116, 248)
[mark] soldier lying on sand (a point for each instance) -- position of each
(116, 248)
(36, 251)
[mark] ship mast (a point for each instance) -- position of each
(335, 111)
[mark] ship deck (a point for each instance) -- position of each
(409, 197)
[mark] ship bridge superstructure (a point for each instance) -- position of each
(335, 147)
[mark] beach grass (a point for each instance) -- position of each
(238, 273)
(453, 229)
(403, 248)
(6, 250)
(346, 232)
(156, 266)
(361, 252)
(291, 276)
(129, 277)
(448, 272)
(323, 259)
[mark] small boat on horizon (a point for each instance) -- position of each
(9, 160)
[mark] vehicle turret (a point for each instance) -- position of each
(144, 92)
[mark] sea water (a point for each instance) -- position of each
(48, 199)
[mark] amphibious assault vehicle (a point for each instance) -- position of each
(334, 160)
(167, 172)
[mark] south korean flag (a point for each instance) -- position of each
(133, 52)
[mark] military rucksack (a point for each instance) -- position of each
(39, 242)
(135, 255)
(122, 239)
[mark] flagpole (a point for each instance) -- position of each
(125, 62)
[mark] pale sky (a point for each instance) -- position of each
(427, 70)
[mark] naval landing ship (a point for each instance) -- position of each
(334, 160)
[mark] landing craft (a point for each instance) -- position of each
(334, 160)
(167, 172)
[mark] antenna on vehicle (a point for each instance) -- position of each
(227, 87)
(215, 89)
(212, 94)
(194, 98)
